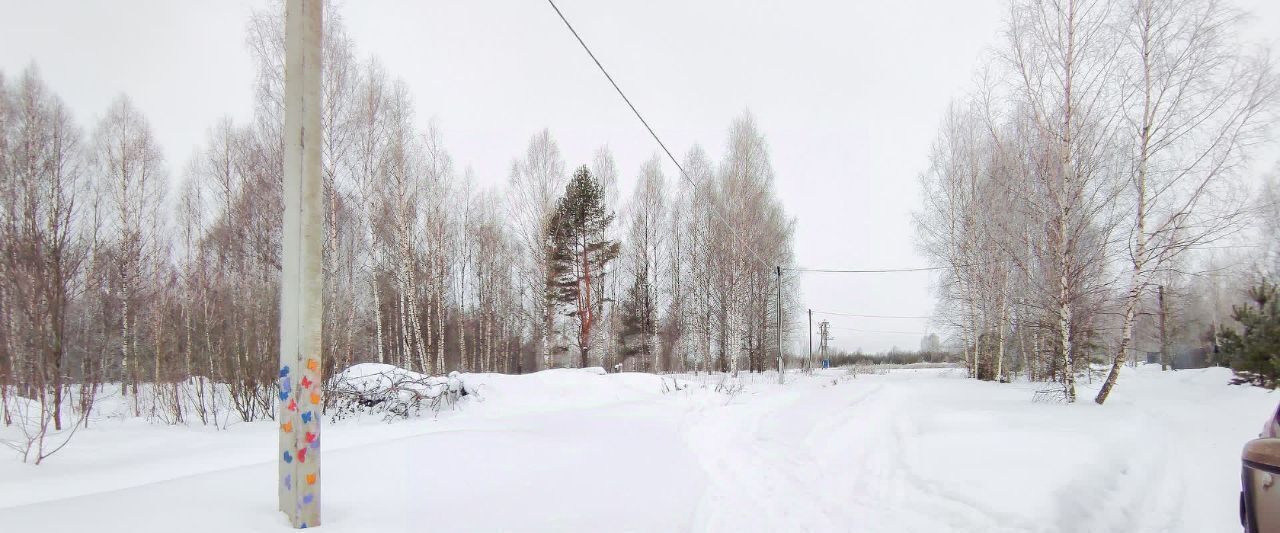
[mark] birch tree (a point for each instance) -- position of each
(1195, 105)
(646, 236)
(1064, 61)
(131, 177)
(700, 263)
(534, 186)
(43, 189)
(608, 287)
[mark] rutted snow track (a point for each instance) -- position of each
(824, 458)
(932, 451)
(762, 467)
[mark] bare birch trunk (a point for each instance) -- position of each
(440, 365)
(1000, 328)
(377, 318)
(1068, 376)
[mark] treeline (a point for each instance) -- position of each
(891, 357)
(109, 277)
(1104, 140)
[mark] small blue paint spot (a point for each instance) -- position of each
(288, 458)
(304, 526)
(288, 481)
(315, 444)
(284, 371)
(306, 500)
(306, 417)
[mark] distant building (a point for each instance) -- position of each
(1184, 357)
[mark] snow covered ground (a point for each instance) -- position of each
(564, 450)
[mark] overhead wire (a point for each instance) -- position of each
(891, 270)
(868, 270)
(654, 134)
(857, 315)
(856, 330)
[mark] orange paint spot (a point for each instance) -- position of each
(315, 398)
(287, 427)
(311, 479)
(313, 365)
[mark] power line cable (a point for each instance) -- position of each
(616, 88)
(867, 270)
(661, 144)
(951, 267)
(890, 270)
(1225, 247)
(856, 330)
(856, 315)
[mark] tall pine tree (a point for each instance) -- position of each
(580, 252)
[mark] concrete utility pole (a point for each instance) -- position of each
(781, 370)
(301, 278)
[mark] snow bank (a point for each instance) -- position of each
(566, 388)
(371, 377)
(1207, 377)
(374, 388)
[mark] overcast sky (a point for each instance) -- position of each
(849, 95)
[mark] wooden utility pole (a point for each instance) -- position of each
(301, 277)
(781, 369)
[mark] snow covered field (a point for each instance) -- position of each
(564, 450)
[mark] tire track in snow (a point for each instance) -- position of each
(813, 459)
(762, 475)
(900, 498)
(825, 458)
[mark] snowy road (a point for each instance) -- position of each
(568, 451)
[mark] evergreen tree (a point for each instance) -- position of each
(638, 325)
(580, 253)
(1255, 353)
